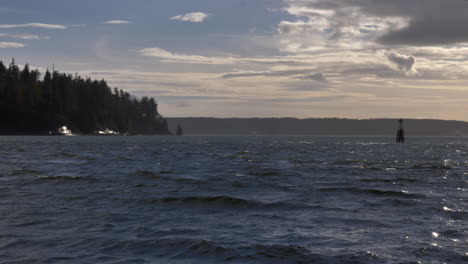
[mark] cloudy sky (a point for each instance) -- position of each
(263, 58)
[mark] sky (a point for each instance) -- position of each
(256, 58)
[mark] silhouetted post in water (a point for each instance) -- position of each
(401, 132)
(179, 130)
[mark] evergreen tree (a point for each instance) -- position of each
(83, 105)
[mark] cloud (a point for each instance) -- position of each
(171, 57)
(322, 24)
(11, 45)
(167, 56)
(183, 104)
(23, 36)
(117, 22)
(36, 25)
(403, 62)
(428, 33)
(196, 17)
(283, 73)
(397, 22)
(100, 73)
(319, 77)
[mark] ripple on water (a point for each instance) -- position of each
(434, 252)
(454, 233)
(455, 214)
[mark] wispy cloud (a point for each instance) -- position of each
(195, 17)
(11, 45)
(117, 22)
(319, 77)
(35, 25)
(284, 73)
(171, 57)
(167, 56)
(23, 36)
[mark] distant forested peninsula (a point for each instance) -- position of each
(30, 104)
(317, 126)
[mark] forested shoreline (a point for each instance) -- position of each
(30, 104)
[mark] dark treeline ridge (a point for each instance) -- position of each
(317, 126)
(30, 104)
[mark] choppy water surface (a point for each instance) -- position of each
(233, 200)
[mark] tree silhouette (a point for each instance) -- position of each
(30, 105)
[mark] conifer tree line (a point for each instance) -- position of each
(30, 104)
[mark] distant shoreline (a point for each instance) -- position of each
(47, 133)
(321, 127)
(317, 126)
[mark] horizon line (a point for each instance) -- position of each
(306, 118)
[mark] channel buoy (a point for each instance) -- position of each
(179, 132)
(401, 132)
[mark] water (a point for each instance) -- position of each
(233, 200)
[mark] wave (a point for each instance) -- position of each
(403, 180)
(145, 173)
(69, 155)
(180, 250)
(442, 254)
(251, 254)
(159, 176)
(14, 242)
(397, 202)
(222, 201)
(66, 161)
(65, 178)
(371, 143)
(205, 251)
(431, 166)
(147, 232)
(166, 248)
(454, 233)
(211, 200)
(372, 191)
(345, 162)
(20, 172)
(456, 214)
(387, 166)
(265, 173)
(28, 222)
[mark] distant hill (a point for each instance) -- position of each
(316, 126)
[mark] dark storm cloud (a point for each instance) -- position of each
(431, 22)
(429, 33)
